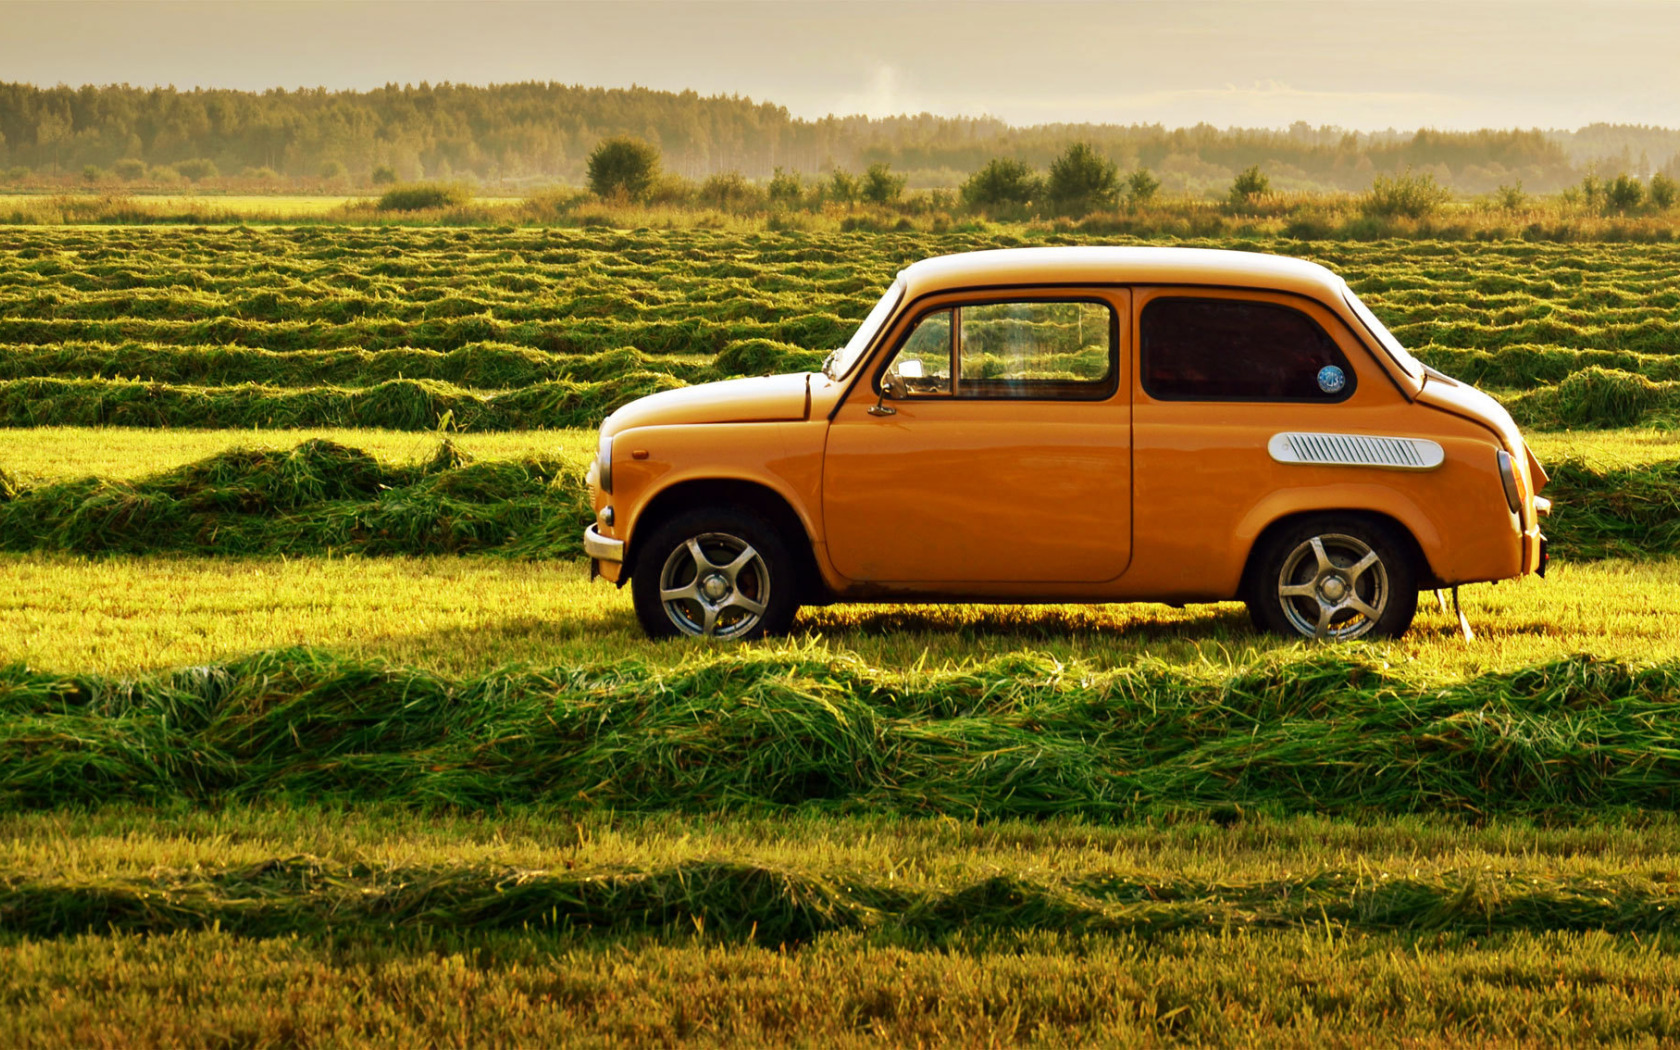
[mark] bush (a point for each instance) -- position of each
(1592, 190)
(785, 187)
(264, 174)
(1003, 183)
(1249, 187)
(384, 175)
(1082, 181)
(93, 173)
(880, 185)
(842, 186)
(729, 191)
(1623, 194)
(165, 173)
(198, 169)
(1404, 196)
(1141, 186)
(128, 169)
(422, 196)
(1663, 191)
(672, 191)
(622, 167)
(332, 169)
(1511, 198)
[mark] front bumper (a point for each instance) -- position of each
(602, 548)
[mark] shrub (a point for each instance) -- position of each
(880, 185)
(1003, 183)
(1663, 191)
(842, 186)
(622, 167)
(264, 174)
(1511, 198)
(1250, 185)
(198, 169)
(1141, 186)
(421, 196)
(17, 173)
(1624, 193)
(332, 169)
(384, 175)
(129, 168)
(94, 173)
(785, 187)
(671, 190)
(1404, 196)
(1592, 190)
(165, 173)
(1082, 181)
(729, 191)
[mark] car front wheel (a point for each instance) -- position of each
(714, 574)
(1334, 578)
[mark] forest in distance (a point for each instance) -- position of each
(516, 135)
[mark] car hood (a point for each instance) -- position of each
(765, 399)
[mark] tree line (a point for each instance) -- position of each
(530, 132)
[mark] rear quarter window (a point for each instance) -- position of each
(1234, 350)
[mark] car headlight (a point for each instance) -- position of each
(1508, 478)
(603, 462)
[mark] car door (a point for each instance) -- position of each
(989, 443)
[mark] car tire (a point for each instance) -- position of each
(714, 573)
(1334, 578)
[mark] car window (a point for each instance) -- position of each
(923, 365)
(1035, 349)
(1233, 350)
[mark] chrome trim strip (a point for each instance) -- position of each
(600, 547)
(1356, 450)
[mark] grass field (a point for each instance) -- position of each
(313, 730)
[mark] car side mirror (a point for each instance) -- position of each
(894, 386)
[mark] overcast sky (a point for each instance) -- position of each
(1355, 63)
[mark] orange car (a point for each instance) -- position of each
(1075, 425)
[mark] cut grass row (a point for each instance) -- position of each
(745, 902)
(319, 497)
(1591, 398)
(499, 366)
(752, 732)
(51, 454)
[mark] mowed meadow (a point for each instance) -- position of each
(314, 731)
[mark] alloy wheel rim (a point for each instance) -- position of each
(714, 585)
(1333, 587)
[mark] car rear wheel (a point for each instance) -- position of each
(714, 574)
(1334, 578)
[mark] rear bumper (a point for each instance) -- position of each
(602, 548)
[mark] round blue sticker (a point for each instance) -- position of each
(1331, 380)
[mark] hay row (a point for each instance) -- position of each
(736, 901)
(397, 404)
(685, 335)
(746, 731)
(316, 498)
(319, 496)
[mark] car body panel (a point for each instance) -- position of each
(1124, 498)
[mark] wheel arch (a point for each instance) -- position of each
(1426, 577)
(730, 493)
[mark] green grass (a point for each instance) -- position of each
(454, 615)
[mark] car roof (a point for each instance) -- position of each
(1109, 264)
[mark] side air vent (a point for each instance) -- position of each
(1356, 450)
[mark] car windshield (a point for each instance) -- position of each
(841, 361)
(1408, 364)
